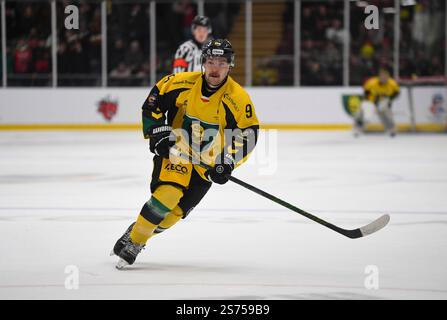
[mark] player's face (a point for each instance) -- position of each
(216, 70)
(383, 76)
(200, 33)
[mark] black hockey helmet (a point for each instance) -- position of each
(218, 48)
(201, 21)
(385, 68)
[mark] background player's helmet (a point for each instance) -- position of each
(201, 21)
(218, 48)
(385, 68)
(384, 74)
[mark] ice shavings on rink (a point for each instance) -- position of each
(65, 197)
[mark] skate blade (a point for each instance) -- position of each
(121, 264)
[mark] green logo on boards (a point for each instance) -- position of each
(351, 103)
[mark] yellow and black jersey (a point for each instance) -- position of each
(203, 123)
(374, 90)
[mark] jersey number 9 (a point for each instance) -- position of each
(248, 111)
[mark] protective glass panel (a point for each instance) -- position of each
(322, 43)
(1, 48)
(372, 39)
(28, 42)
(228, 21)
(422, 37)
(79, 44)
(128, 43)
(173, 28)
(273, 45)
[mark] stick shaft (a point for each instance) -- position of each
(284, 204)
(269, 196)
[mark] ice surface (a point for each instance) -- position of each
(65, 197)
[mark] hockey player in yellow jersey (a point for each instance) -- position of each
(207, 116)
(381, 90)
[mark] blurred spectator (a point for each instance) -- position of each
(134, 57)
(370, 48)
(28, 24)
(421, 42)
(222, 15)
(187, 11)
(136, 19)
(28, 20)
(266, 74)
(128, 38)
(360, 69)
(335, 32)
(22, 57)
(322, 39)
(117, 54)
(63, 63)
(285, 50)
(42, 60)
(143, 74)
(28, 48)
(79, 51)
(79, 67)
(422, 39)
(128, 41)
(120, 72)
(367, 51)
(94, 39)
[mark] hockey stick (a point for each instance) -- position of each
(370, 228)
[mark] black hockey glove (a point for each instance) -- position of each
(161, 140)
(222, 170)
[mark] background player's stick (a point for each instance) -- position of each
(372, 227)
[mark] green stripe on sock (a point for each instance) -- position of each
(158, 207)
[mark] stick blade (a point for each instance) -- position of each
(370, 228)
(375, 226)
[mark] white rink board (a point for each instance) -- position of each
(68, 106)
(425, 109)
(273, 105)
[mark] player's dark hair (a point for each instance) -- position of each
(385, 68)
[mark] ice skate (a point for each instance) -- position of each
(121, 243)
(357, 130)
(128, 254)
(391, 132)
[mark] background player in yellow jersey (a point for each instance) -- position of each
(380, 90)
(206, 115)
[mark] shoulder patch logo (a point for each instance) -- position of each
(156, 116)
(152, 98)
